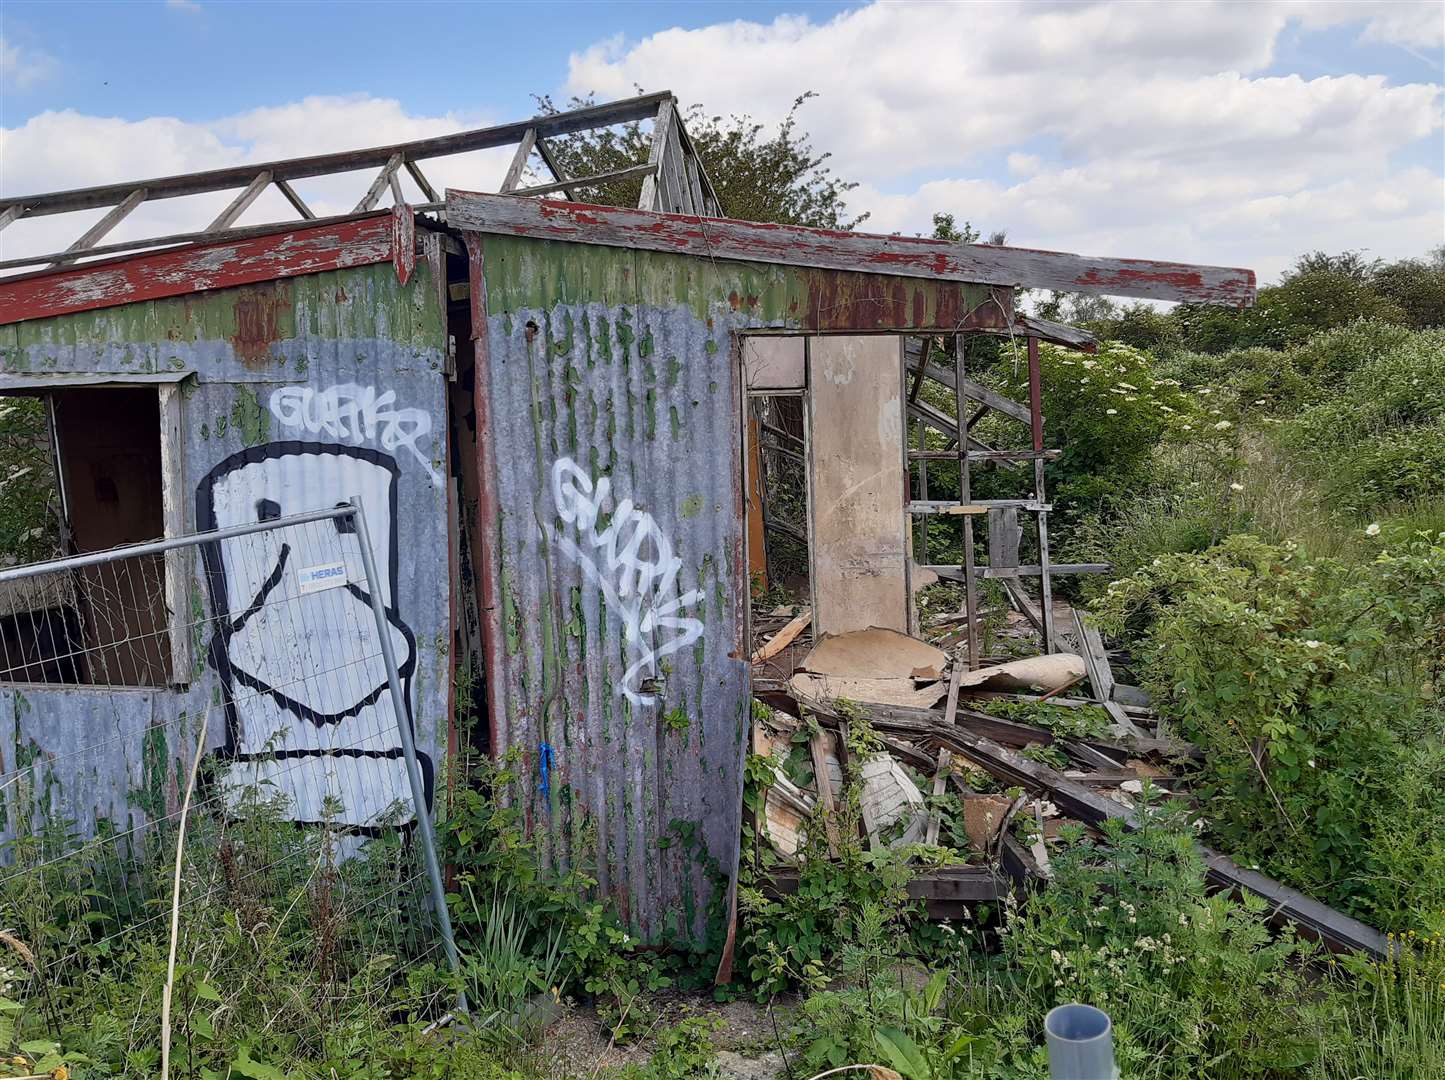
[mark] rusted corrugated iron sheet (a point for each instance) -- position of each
(610, 407)
(307, 390)
(833, 249)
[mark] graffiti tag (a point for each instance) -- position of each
(355, 414)
(634, 568)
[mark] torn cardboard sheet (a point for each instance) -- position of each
(1036, 673)
(901, 692)
(874, 653)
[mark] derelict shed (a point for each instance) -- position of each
(548, 411)
(245, 373)
(307, 371)
(616, 351)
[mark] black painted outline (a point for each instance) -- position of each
(218, 653)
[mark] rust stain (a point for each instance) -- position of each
(256, 324)
(840, 301)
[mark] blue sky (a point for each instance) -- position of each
(1237, 133)
(207, 59)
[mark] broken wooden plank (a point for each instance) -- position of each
(784, 637)
(832, 249)
(940, 786)
(974, 391)
(1101, 675)
(1314, 919)
(822, 780)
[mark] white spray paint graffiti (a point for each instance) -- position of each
(638, 571)
(354, 413)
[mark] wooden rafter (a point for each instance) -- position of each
(238, 205)
(244, 180)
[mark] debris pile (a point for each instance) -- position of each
(989, 761)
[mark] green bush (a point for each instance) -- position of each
(1194, 985)
(1379, 436)
(1308, 684)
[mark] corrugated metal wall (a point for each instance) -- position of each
(612, 400)
(306, 391)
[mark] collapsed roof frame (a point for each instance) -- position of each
(673, 178)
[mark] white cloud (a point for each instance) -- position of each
(191, 7)
(1123, 128)
(1410, 23)
(1116, 129)
(21, 67)
(66, 149)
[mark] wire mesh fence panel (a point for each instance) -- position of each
(235, 684)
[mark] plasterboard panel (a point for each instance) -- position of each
(773, 363)
(859, 544)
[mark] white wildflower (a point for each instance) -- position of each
(1111, 412)
(1312, 644)
(1223, 425)
(1372, 529)
(1236, 486)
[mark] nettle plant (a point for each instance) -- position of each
(1310, 687)
(1126, 925)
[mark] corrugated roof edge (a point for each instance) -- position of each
(835, 249)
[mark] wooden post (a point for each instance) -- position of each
(970, 586)
(1036, 419)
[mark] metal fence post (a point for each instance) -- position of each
(408, 749)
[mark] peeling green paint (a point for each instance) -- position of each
(250, 419)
